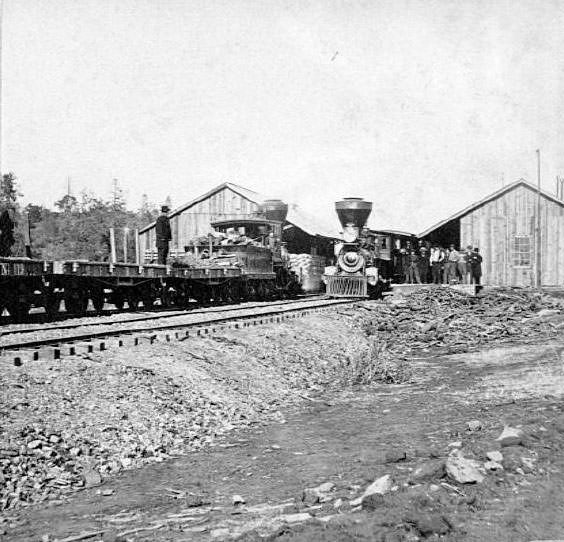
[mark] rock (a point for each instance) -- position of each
(430, 524)
(395, 455)
(495, 456)
(456, 444)
(372, 502)
(338, 503)
(91, 478)
(462, 470)
(381, 486)
(108, 492)
(237, 500)
(510, 436)
(326, 487)
(313, 495)
(34, 444)
(295, 518)
(474, 425)
(430, 470)
(528, 464)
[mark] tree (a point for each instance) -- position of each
(9, 192)
(67, 204)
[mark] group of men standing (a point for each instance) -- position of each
(442, 266)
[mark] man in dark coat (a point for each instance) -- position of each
(424, 265)
(475, 266)
(7, 225)
(163, 234)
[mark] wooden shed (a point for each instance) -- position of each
(504, 228)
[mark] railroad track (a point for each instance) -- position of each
(180, 327)
(42, 318)
(141, 316)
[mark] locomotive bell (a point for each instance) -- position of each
(353, 214)
(274, 209)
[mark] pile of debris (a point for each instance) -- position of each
(441, 317)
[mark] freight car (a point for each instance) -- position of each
(256, 270)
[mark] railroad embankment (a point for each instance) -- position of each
(70, 423)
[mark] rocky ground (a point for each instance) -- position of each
(375, 422)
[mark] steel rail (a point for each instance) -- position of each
(85, 337)
(156, 316)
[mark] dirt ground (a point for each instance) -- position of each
(351, 438)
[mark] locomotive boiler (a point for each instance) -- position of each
(354, 273)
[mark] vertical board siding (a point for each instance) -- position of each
(493, 227)
(195, 221)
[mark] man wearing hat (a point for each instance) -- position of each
(476, 266)
(163, 234)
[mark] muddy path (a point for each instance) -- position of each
(350, 439)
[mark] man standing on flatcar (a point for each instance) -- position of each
(7, 226)
(163, 234)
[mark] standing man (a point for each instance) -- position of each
(452, 263)
(413, 274)
(7, 225)
(437, 259)
(475, 267)
(424, 265)
(163, 234)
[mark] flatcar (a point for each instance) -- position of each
(255, 270)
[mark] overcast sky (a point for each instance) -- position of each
(420, 106)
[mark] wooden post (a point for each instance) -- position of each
(112, 246)
(125, 240)
(137, 248)
(27, 236)
(538, 232)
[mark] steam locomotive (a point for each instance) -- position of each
(356, 272)
(249, 266)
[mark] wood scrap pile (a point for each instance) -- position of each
(431, 318)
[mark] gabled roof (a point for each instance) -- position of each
(296, 216)
(250, 195)
(491, 197)
(312, 225)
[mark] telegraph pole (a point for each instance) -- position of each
(538, 232)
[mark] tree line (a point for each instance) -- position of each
(78, 227)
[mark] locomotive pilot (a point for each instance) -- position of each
(163, 234)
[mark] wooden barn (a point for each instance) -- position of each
(504, 228)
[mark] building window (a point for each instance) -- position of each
(522, 251)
